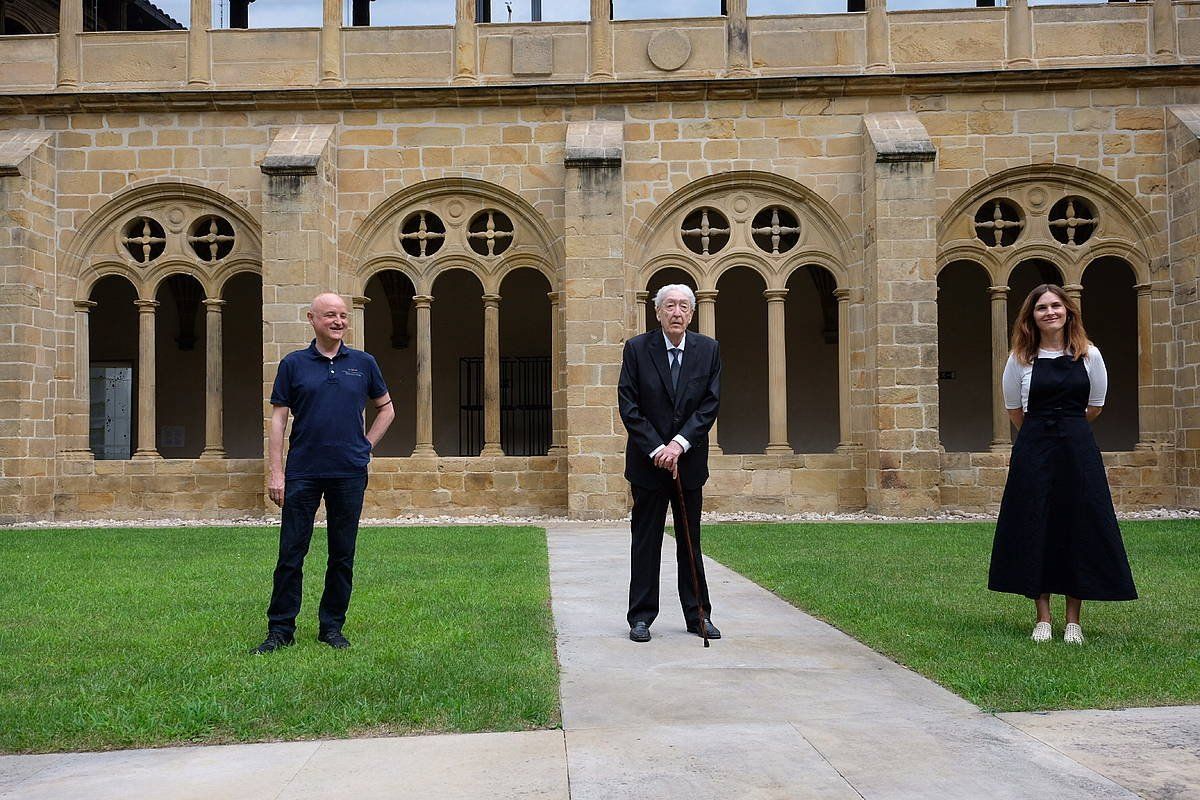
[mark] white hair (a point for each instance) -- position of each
(662, 293)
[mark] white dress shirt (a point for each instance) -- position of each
(684, 443)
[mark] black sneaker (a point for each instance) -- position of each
(273, 642)
(334, 639)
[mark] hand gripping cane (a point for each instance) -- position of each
(687, 537)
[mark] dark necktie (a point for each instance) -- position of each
(676, 355)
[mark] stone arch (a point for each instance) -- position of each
(1035, 188)
(179, 208)
(455, 201)
(990, 261)
(384, 263)
(1067, 271)
(181, 203)
(752, 261)
(671, 261)
(747, 191)
(743, 282)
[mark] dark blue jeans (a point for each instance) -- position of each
(343, 507)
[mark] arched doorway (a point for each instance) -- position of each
(526, 379)
(964, 357)
(112, 368)
(742, 331)
(811, 325)
(458, 375)
(1109, 307)
(390, 334)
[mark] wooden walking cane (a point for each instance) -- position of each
(687, 537)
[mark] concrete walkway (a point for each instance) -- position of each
(783, 707)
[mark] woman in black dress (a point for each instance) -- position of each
(1057, 533)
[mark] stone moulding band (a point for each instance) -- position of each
(607, 93)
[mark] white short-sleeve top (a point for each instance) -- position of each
(1017, 375)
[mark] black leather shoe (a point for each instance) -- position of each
(713, 633)
(273, 642)
(334, 639)
(640, 632)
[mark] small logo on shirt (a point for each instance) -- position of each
(353, 372)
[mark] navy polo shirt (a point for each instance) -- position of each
(327, 397)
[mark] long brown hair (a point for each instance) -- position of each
(1026, 338)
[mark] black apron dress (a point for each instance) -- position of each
(1057, 533)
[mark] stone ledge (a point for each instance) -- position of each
(297, 150)
(898, 136)
(18, 145)
(594, 143)
(606, 93)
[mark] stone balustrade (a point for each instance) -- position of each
(468, 54)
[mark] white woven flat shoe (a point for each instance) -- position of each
(1073, 634)
(1041, 632)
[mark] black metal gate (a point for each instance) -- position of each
(525, 405)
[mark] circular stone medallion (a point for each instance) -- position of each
(669, 49)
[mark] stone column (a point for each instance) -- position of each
(78, 438)
(737, 37)
(706, 309)
(299, 252)
(1074, 291)
(1179, 322)
(465, 40)
(878, 57)
(595, 313)
(900, 277)
(491, 376)
(600, 39)
(1019, 26)
(1145, 371)
(70, 25)
(147, 445)
(558, 367)
(199, 59)
(1001, 426)
(845, 437)
(214, 384)
(641, 301)
(424, 437)
(777, 438)
(331, 44)
(32, 358)
(1163, 23)
(358, 331)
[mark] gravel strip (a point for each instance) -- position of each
(554, 521)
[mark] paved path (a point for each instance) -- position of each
(783, 707)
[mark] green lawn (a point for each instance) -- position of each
(130, 638)
(917, 593)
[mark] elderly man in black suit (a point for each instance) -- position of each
(668, 394)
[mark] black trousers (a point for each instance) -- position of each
(343, 507)
(649, 520)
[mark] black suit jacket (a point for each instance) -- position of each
(654, 413)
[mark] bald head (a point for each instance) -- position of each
(330, 320)
(323, 299)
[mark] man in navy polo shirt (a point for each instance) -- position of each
(325, 388)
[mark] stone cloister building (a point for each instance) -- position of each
(860, 200)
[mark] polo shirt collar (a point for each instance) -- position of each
(343, 350)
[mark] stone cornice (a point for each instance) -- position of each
(603, 93)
